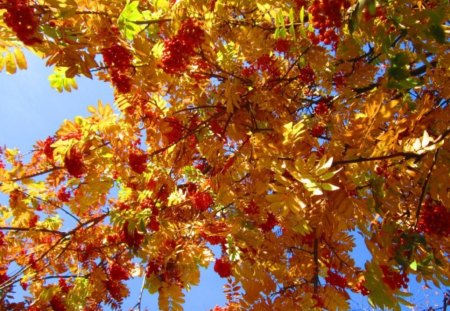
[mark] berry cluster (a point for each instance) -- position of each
(63, 195)
(318, 130)
(215, 233)
(74, 163)
(180, 48)
(307, 75)
(138, 161)
(361, 288)
(434, 219)
(20, 17)
(252, 208)
(133, 239)
(118, 59)
(321, 108)
(175, 132)
(282, 45)
(202, 200)
(336, 280)
(223, 267)
(394, 279)
(65, 288)
(270, 223)
(118, 273)
(326, 18)
(57, 303)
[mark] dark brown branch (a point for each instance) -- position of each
(424, 188)
(33, 230)
(406, 155)
(55, 168)
(154, 21)
(316, 265)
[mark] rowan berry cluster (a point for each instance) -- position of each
(270, 223)
(137, 161)
(118, 273)
(74, 163)
(326, 18)
(336, 280)
(434, 219)
(118, 59)
(223, 267)
(318, 130)
(321, 108)
(394, 279)
(282, 45)
(202, 200)
(180, 48)
(175, 133)
(307, 75)
(19, 16)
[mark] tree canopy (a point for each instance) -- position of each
(275, 130)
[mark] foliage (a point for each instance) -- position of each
(275, 129)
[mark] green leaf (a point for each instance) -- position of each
(413, 265)
(438, 33)
(60, 82)
(128, 18)
(302, 15)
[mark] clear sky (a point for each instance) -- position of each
(30, 110)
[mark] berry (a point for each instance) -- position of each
(394, 279)
(21, 19)
(63, 195)
(202, 200)
(251, 209)
(175, 130)
(47, 148)
(57, 303)
(223, 267)
(270, 223)
(434, 219)
(74, 163)
(179, 49)
(118, 59)
(317, 130)
(63, 285)
(321, 108)
(118, 273)
(132, 239)
(336, 280)
(138, 161)
(307, 75)
(327, 19)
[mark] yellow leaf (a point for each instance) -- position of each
(20, 59)
(10, 63)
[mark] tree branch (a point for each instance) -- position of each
(406, 155)
(33, 230)
(424, 188)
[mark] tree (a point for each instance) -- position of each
(276, 130)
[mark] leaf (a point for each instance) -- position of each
(20, 59)
(59, 81)
(10, 63)
(438, 33)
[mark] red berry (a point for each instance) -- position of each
(138, 161)
(270, 223)
(118, 272)
(74, 163)
(223, 267)
(202, 200)
(317, 130)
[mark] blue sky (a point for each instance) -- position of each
(30, 110)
